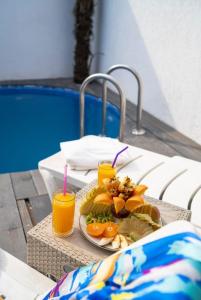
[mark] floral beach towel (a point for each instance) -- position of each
(166, 268)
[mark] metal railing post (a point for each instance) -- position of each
(138, 130)
(109, 78)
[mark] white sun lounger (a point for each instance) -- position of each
(19, 281)
(175, 180)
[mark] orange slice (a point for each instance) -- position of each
(134, 202)
(96, 229)
(110, 229)
(119, 203)
(140, 189)
(103, 198)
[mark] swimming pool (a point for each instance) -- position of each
(34, 120)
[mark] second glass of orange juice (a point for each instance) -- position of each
(105, 170)
(63, 209)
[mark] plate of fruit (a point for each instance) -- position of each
(116, 214)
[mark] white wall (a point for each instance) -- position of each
(36, 39)
(162, 40)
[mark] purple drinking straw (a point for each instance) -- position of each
(115, 159)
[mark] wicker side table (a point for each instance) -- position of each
(48, 254)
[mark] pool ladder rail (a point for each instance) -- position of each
(138, 130)
(109, 78)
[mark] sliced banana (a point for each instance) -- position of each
(105, 241)
(129, 240)
(116, 242)
(123, 241)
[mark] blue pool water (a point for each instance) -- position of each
(34, 120)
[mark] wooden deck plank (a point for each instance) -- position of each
(38, 182)
(147, 141)
(9, 216)
(12, 237)
(23, 185)
(13, 241)
(40, 207)
(24, 215)
(183, 145)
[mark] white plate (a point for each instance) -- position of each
(95, 241)
(169, 213)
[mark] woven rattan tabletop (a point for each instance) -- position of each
(49, 254)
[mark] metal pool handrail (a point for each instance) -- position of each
(138, 130)
(109, 78)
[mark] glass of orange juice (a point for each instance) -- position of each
(105, 170)
(63, 209)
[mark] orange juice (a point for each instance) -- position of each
(63, 208)
(105, 170)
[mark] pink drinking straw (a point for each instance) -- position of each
(115, 159)
(65, 180)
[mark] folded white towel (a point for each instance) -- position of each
(87, 152)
